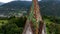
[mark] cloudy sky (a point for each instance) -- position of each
(5, 1)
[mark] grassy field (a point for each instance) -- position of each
(2, 22)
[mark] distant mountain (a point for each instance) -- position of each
(14, 6)
(47, 8)
(17, 4)
(50, 8)
(1, 3)
(50, 0)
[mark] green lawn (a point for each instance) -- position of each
(3, 22)
(47, 21)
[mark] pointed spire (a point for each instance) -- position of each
(36, 10)
(34, 18)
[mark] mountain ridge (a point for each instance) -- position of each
(47, 8)
(1, 3)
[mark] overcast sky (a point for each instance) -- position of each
(5, 1)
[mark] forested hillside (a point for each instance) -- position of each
(51, 8)
(1, 3)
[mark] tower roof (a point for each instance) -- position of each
(34, 18)
(35, 9)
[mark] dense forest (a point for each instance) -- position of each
(15, 25)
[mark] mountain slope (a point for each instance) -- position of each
(14, 6)
(1, 3)
(51, 8)
(17, 4)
